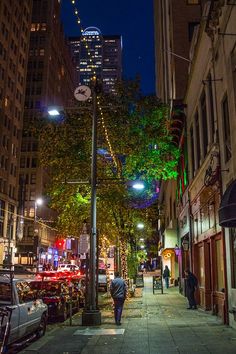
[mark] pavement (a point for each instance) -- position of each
(151, 324)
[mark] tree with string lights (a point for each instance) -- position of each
(134, 143)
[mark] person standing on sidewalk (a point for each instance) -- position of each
(191, 285)
(118, 289)
(166, 276)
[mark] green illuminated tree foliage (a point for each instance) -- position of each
(138, 129)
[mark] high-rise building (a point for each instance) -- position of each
(98, 55)
(15, 17)
(50, 81)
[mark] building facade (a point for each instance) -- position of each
(95, 54)
(211, 103)
(174, 25)
(15, 20)
(50, 82)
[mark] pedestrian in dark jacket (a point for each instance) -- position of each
(191, 285)
(166, 276)
(118, 289)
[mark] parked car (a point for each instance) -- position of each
(27, 314)
(68, 267)
(56, 294)
(103, 279)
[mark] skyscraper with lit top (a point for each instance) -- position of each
(99, 55)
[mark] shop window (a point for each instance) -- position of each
(233, 256)
(219, 266)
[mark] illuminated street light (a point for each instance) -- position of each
(53, 112)
(140, 225)
(142, 247)
(39, 201)
(138, 185)
(141, 239)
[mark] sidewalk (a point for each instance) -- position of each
(151, 324)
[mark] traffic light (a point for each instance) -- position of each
(60, 243)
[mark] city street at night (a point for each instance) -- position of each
(117, 176)
(151, 324)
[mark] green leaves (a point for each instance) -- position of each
(136, 129)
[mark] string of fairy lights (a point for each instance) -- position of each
(123, 247)
(93, 67)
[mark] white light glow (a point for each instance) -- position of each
(140, 225)
(39, 201)
(53, 112)
(138, 185)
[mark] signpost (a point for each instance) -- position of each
(157, 283)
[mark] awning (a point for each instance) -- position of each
(227, 209)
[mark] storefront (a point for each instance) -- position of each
(208, 252)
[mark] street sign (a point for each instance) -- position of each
(82, 93)
(157, 283)
(84, 243)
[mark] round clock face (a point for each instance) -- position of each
(82, 93)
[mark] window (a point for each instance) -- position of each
(204, 124)
(198, 151)
(2, 214)
(211, 104)
(5, 293)
(32, 195)
(33, 178)
(191, 27)
(226, 129)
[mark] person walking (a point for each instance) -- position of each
(166, 276)
(191, 285)
(118, 290)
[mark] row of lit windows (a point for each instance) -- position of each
(37, 52)
(35, 27)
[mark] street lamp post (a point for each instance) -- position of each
(38, 202)
(91, 315)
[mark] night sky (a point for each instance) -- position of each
(133, 19)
